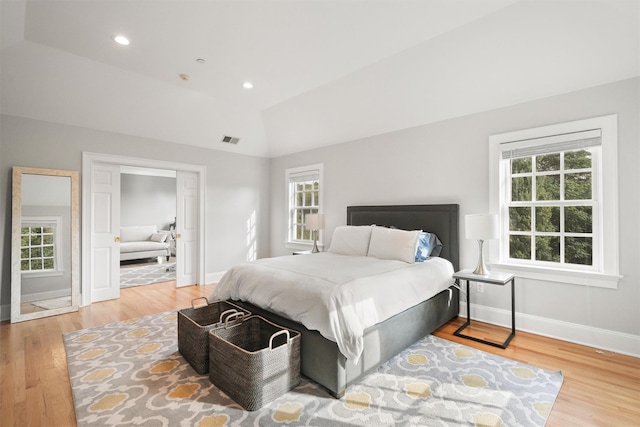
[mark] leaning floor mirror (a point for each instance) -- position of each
(45, 243)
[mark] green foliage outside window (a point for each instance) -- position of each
(548, 219)
(521, 189)
(546, 226)
(520, 219)
(306, 202)
(580, 159)
(578, 186)
(548, 187)
(547, 163)
(579, 250)
(548, 248)
(522, 165)
(37, 248)
(520, 247)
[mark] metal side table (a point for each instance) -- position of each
(493, 278)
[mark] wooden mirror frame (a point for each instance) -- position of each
(16, 222)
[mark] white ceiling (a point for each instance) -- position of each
(324, 71)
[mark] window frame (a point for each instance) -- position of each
(605, 270)
(46, 221)
(290, 174)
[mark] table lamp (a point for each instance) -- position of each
(482, 227)
(315, 223)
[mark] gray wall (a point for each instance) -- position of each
(444, 162)
(237, 185)
(448, 162)
(147, 200)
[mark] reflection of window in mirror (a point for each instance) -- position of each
(40, 246)
(44, 243)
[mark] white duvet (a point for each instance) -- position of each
(338, 295)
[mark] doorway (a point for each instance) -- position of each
(148, 200)
(101, 223)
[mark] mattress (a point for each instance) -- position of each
(337, 295)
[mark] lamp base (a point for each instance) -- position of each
(315, 249)
(481, 269)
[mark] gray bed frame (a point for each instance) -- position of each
(321, 360)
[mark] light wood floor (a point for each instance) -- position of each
(600, 388)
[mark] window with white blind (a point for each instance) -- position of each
(304, 190)
(555, 189)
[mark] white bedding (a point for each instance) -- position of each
(338, 295)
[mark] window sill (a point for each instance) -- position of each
(35, 274)
(299, 246)
(574, 277)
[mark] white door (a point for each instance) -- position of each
(186, 228)
(105, 232)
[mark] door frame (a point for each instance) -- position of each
(88, 160)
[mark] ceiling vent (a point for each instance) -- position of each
(230, 139)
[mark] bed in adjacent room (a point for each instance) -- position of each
(367, 298)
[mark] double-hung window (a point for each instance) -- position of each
(304, 189)
(40, 251)
(555, 189)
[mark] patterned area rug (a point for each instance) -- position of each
(145, 274)
(131, 373)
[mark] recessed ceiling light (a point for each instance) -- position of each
(120, 39)
(201, 61)
(184, 77)
(247, 85)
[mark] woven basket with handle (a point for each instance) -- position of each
(194, 325)
(254, 361)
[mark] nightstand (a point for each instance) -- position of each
(493, 278)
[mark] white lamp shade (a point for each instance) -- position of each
(314, 221)
(482, 226)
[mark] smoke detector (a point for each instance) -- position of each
(230, 139)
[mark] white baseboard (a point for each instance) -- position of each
(46, 295)
(604, 339)
(5, 309)
(214, 277)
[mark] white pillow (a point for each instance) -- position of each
(390, 243)
(158, 237)
(351, 240)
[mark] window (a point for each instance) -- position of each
(556, 191)
(551, 201)
(304, 189)
(39, 245)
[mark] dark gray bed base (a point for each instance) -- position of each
(322, 362)
(320, 358)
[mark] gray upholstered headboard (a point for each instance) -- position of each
(439, 219)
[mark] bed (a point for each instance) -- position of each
(323, 360)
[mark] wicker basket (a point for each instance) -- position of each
(254, 361)
(194, 325)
